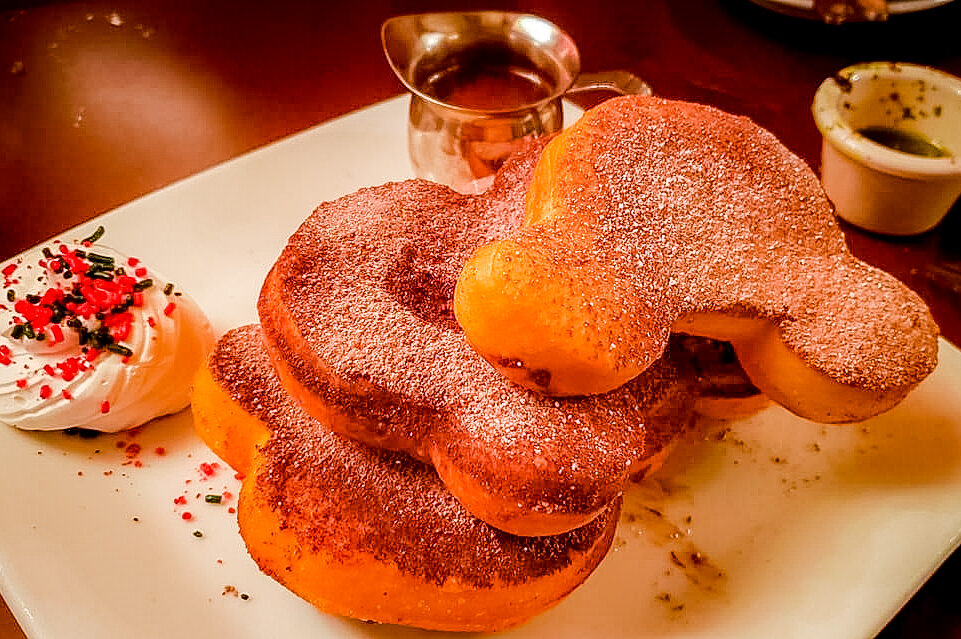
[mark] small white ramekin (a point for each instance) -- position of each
(873, 186)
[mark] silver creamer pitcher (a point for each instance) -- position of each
(481, 82)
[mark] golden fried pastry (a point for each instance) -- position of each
(358, 322)
(367, 533)
(650, 216)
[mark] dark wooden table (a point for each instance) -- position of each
(101, 102)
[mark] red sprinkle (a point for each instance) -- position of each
(187, 516)
(206, 469)
(66, 394)
(180, 501)
(160, 450)
(231, 510)
(5, 355)
(239, 475)
(152, 322)
(21, 383)
(69, 368)
(106, 299)
(52, 296)
(45, 392)
(169, 309)
(104, 407)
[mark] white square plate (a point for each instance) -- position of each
(816, 531)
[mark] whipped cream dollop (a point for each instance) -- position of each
(94, 339)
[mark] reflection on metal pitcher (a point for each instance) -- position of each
(482, 82)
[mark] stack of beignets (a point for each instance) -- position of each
(373, 534)
(389, 466)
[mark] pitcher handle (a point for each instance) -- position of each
(620, 82)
